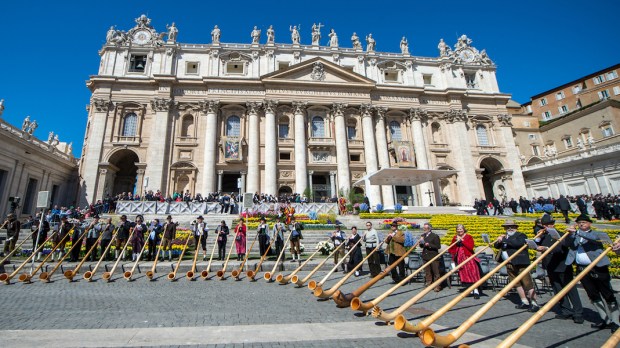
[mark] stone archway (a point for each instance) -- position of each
(126, 177)
(285, 191)
(491, 170)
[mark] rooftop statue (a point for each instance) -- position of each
(356, 42)
(404, 46)
(444, 50)
(26, 123)
(255, 35)
(370, 43)
(333, 39)
(271, 35)
(316, 34)
(172, 33)
(33, 127)
(294, 34)
(215, 35)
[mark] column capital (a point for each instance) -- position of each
(299, 107)
(253, 107)
(139, 171)
(505, 120)
(209, 106)
(243, 173)
(380, 111)
(270, 105)
(162, 104)
(101, 105)
(418, 114)
(333, 173)
(103, 171)
(220, 172)
(338, 109)
(366, 110)
(455, 116)
(310, 172)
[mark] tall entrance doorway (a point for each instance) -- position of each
(491, 172)
(321, 188)
(125, 178)
(229, 182)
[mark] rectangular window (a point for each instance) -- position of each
(283, 130)
(543, 102)
(470, 80)
(535, 150)
(568, 142)
(608, 131)
(599, 79)
(563, 109)
(559, 95)
(235, 68)
(351, 132)
(191, 68)
(137, 63)
(576, 89)
(546, 115)
(390, 76)
(604, 94)
(285, 156)
(532, 136)
(611, 75)
(616, 90)
(428, 79)
(282, 65)
(355, 157)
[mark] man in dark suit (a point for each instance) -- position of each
(564, 205)
(581, 204)
(430, 245)
(584, 245)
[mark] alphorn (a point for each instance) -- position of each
(269, 275)
(172, 275)
(151, 273)
(190, 274)
(70, 274)
(388, 317)
(515, 335)
(401, 323)
(300, 282)
(285, 279)
(25, 277)
(6, 278)
(222, 272)
(88, 275)
(236, 272)
(17, 247)
(108, 275)
(343, 301)
(320, 293)
(430, 338)
(613, 341)
(357, 304)
(45, 276)
(127, 275)
(312, 285)
(204, 274)
(251, 274)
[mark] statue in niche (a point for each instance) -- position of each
(271, 35)
(172, 32)
(443, 48)
(26, 124)
(295, 34)
(333, 39)
(404, 46)
(255, 35)
(215, 35)
(316, 34)
(370, 43)
(33, 127)
(356, 41)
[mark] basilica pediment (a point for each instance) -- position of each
(317, 71)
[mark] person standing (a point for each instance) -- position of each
(278, 235)
(263, 235)
(200, 230)
(464, 248)
(559, 274)
(39, 234)
(170, 233)
(564, 205)
(371, 240)
(581, 204)
(154, 238)
(13, 226)
(584, 245)
(122, 235)
(355, 257)
(94, 231)
(222, 231)
(106, 238)
(240, 239)
(338, 238)
(296, 238)
(508, 245)
(137, 237)
(77, 238)
(60, 241)
(430, 245)
(396, 249)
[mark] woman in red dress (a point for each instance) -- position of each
(240, 238)
(464, 248)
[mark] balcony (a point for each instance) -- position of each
(128, 140)
(321, 143)
(186, 141)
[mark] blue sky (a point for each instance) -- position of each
(48, 49)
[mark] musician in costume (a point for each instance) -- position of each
(464, 248)
(122, 235)
(584, 245)
(396, 249)
(13, 226)
(170, 233)
(355, 257)
(93, 232)
(200, 231)
(222, 231)
(371, 240)
(39, 235)
(59, 240)
(338, 237)
(296, 238)
(76, 238)
(263, 235)
(430, 245)
(154, 238)
(240, 239)
(278, 234)
(106, 238)
(137, 238)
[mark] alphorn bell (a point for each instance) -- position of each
(222, 272)
(172, 275)
(88, 275)
(251, 274)
(25, 277)
(269, 275)
(388, 317)
(69, 274)
(107, 276)
(312, 285)
(401, 323)
(515, 335)
(190, 274)
(343, 301)
(320, 293)
(284, 280)
(235, 273)
(204, 274)
(430, 338)
(6, 278)
(45, 276)
(17, 247)
(357, 304)
(127, 275)
(151, 273)
(300, 282)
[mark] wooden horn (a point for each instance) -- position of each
(220, 274)
(107, 276)
(300, 282)
(388, 317)
(515, 335)
(151, 273)
(6, 278)
(285, 279)
(205, 273)
(127, 275)
(25, 277)
(17, 247)
(269, 275)
(430, 338)
(613, 341)
(236, 272)
(70, 274)
(343, 301)
(314, 286)
(172, 275)
(357, 304)
(251, 274)
(401, 323)
(88, 275)
(320, 293)
(190, 275)
(45, 276)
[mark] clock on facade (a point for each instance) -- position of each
(141, 37)
(467, 55)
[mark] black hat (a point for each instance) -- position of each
(583, 217)
(123, 216)
(394, 223)
(263, 218)
(510, 223)
(200, 218)
(169, 217)
(547, 220)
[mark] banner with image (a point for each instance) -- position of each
(232, 148)
(405, 157)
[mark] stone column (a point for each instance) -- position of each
(461, 147)
(210, 148)
(140, 189)
(512, 155)
(253, 184)
(301, 151)
(92, 154)
(383, 155)
(219, 181)
(271, 146)
(419, 146)
(342, 151)
(159, 144)
(332, 182)
(242, 189)
(370, 152)
(310, 173)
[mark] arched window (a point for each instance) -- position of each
(351, 130)
(233, 126)
(395, 132)
(483, 137)
(187, 126)
(283, 128)
(130, 125)
(318, 127)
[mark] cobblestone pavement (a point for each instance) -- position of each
(216, 313)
